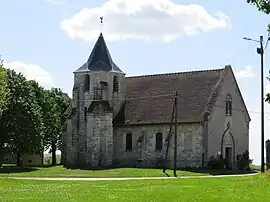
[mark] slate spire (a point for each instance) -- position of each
(100, 57)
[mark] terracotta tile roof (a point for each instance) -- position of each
(150, 98)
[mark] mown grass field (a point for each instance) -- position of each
(60, 171)
(238, 189)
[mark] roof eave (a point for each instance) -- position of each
(216, 91)
(146, 123)
(242, 99)
(212, 99)
(81, 71)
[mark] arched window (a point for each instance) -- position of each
(86, 82)
(228, 105)
(159, 141)
(115, 84)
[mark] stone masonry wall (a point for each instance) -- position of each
(218, 120)
(82, 128)
(189, 146)
(72, 145)
(69, 148)
(99, 140)
(82, 100)
(116, 99)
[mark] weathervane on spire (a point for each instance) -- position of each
(101, 22)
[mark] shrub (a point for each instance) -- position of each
(243, 161)
(216, 162)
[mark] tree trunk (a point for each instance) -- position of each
(62, 162)
(53, 153)
(1, 155)
(42, 157)
(63, 153)
(19, 159)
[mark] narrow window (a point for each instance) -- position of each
(104, 90)
(115, 84)
(85, 113)
(128, 141)
(228, 105)
(86, 82)
(78, 98)
(159, 141)
(97, 94)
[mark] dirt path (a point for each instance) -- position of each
(123, 178)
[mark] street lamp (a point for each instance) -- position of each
(260, 51)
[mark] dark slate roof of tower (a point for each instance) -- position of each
(100, 58)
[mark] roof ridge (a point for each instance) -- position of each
(177, 73)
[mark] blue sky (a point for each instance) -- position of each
(36, 39)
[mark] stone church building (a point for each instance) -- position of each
(124, 121)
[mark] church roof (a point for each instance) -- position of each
(150, 98)
(100, 58)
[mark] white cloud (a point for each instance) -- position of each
(31, 72)
(143, 19)
(247, 72)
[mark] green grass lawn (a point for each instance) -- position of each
(59, 171)
(251, 188)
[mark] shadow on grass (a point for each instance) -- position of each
(8, 169)
(191, 170)
(44, 166)
(14, 169)
(218, 171)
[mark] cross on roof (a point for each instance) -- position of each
(101, 19)
(101, 23)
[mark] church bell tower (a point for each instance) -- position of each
(98, 93)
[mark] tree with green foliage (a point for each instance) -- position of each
(4, 96)
(56, 103)
(63, 102)
(4, 91)
(263, 6)
(51, 122)
(22, 121)
(31, 118)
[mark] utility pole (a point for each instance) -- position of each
(173, 119)
(260, 51)
(168, 139)
(175, 137)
